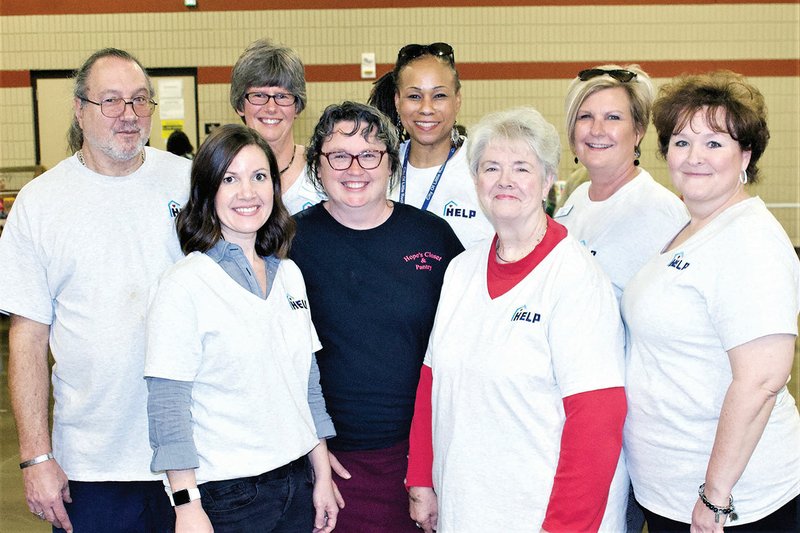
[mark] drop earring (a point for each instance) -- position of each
(576, 159)
(636, 154)
(455, 138)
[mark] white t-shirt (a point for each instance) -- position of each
(626, 230)
(454, 199)
(501, 368)
(302, 194)
(80, 252)
(735, 280)
(248, 359)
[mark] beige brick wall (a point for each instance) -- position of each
(584, 34)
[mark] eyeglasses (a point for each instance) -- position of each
(413, 51)
(621, 75)
(281, 99)
(115, 107)
(342, 160)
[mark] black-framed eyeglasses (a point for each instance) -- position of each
(114, 107)
(368, 160)
(618, 74)
(413, 51)
(281, 99)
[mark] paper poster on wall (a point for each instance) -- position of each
(168, 126)
(170, 88)
(170, 105)
(171, 108)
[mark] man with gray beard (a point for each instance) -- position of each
(79, 252)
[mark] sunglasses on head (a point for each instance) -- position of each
(413, 51)
(621, 75)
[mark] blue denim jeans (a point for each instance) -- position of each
(119, 506)
(278, 501)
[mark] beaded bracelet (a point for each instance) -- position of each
(729, 510)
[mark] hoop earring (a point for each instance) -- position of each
(636, 154)
(743, 177)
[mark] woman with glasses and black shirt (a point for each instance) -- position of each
(374, 270)
(422, 96)
(268, 90)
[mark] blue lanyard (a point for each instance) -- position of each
(435, 179)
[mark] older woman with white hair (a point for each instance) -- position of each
(526, 414)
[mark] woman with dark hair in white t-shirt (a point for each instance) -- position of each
(713, 436)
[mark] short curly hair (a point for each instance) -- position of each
(743, 117)
(368, 121)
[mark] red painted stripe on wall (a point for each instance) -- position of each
(15, 78)
(48, 7)
(499, 71)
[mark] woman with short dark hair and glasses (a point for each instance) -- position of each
(237, 418)
(422, 96)
(268, 91)
(622, 215)
(374, 269)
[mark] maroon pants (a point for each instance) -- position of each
(375, 497)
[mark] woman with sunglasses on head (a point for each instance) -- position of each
(713, 435)
(268, 91)
(234, 404)
(622, 215)
(374, 270)
(422, 95)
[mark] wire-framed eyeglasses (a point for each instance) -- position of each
(618, 74)
(114, 107)
(368, 160)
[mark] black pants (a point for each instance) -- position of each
(784, 520)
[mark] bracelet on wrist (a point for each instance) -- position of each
(36, 460)
(729, 510)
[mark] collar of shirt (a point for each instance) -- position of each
(231, 258)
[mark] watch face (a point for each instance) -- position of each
(184, 496)
(181, 497)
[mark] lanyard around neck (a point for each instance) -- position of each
(435, 179)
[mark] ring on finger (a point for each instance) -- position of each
(40, 514)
